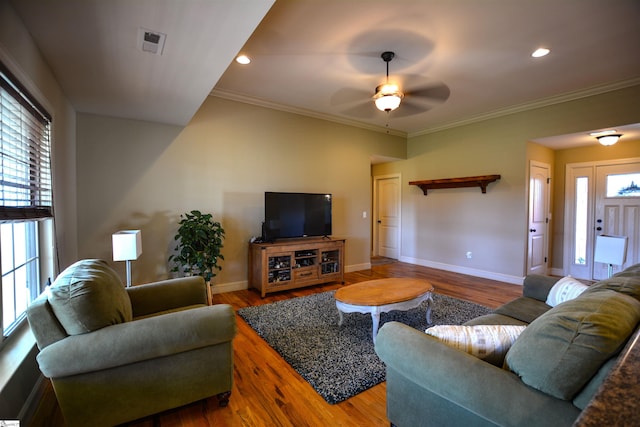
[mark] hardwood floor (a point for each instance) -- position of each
(268, 392)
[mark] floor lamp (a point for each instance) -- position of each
(611, 250)
(127, 246)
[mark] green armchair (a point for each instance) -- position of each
(117, 354)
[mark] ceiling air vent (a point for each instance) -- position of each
(151, 41)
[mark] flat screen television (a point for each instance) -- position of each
(291, 215)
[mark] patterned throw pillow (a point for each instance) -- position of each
(565, 289)
(487, 342)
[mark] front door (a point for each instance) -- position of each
(601, 198)
(618, 210)
(387, 216)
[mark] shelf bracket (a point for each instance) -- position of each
(469, 181)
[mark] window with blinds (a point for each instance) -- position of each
(26, 205)
(25, 154)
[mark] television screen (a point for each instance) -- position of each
(289, 215)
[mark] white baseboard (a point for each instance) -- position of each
(557, 272)
(516, 280)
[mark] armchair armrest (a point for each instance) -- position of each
(166, 295)
(477, 386)
(138, 340)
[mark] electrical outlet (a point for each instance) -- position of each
(469, 255)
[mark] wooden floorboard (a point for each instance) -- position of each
(268, 392)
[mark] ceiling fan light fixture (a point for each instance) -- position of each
(387, 97)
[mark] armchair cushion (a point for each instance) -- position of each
(87, 296)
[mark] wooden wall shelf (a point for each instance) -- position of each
(469, 181)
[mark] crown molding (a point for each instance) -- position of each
(233, 96)
(544, 102)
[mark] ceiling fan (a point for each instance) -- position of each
(416, 93)
(388, 96)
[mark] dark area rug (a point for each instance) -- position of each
(340, 361)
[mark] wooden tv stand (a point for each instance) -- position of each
(291, 264)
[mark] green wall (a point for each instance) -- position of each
(142, 175)
(439, 229)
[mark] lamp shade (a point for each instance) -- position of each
(127, 245)
(611, 249)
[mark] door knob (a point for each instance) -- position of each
(379, 222)
(533, 230)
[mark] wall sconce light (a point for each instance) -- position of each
(127, 246)
(611, 250)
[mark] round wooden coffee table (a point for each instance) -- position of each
(383, 295)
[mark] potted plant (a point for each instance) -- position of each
(199, 241)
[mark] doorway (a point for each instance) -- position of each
(386, 216)
(601, 198)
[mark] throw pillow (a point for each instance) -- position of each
(565, 289)
(487, 342)
(89, 295)
(562, 350)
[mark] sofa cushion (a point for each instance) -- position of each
(563, 349)
(89, 295)
(626, 282)
(565, 289)
(495, 319)
(486, 342)
(524, 309)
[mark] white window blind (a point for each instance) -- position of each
(25, 154)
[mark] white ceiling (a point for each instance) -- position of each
(322, 58)
(93, 48)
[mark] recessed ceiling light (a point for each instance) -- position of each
(243, 59)
(540, 52)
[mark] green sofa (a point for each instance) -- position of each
(116, 354)
(549, 374)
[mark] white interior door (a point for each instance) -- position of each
(537, 250)
(617, 210)
(387, 216)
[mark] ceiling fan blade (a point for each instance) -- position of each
(409, 107)
(435, 94)
(420, 87)
(364, 110)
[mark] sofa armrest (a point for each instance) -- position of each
(167, 295)
(538, 286)
(477, 386)
(139, 340)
